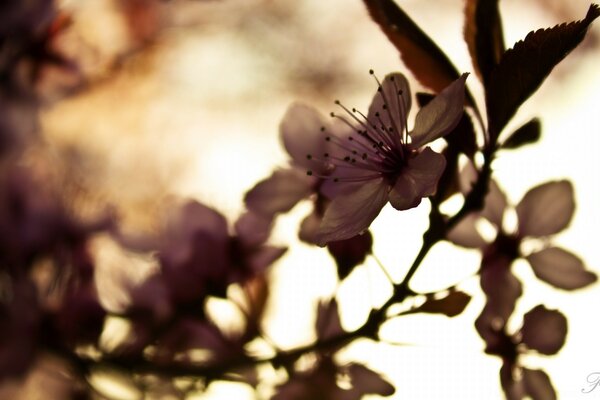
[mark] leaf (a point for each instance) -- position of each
(483, 34)
(523, 68)
(528, 133)
(451, 305)
(420, 54)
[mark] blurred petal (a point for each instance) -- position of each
(350, 214)
(368, 381)
(417, 180)
(495, 200)
(301, 134)
(544, 330)
(280, 192)
(397, 103)
(195, 217)
(500, 286)
(560, 268)
(465, 233)
(309, 227)
(263, 257)
(328, 322)
(513, 389)
(494, 204)
(253, 229)
(440, 115)
(537, 384)
(546, 209)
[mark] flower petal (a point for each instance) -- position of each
(369, 381)
(253, 229)
(465, 233)
(544, 330)
(280, 192)
(495, 200)
(301, 134)
(418, 179)
(395, 96)
(440, 115)
(309, 227)
(328, 323)
(546, 209)
(263, 257)
(500, 286)
(560, 268)
(351, 213)
(537, 384)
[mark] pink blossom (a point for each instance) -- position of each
(380, 160)
(199, 256)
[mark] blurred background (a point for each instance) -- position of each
(183, 98)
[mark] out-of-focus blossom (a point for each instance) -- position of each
(544, 211)
(199, 257)
(380, 161)
(543, 331)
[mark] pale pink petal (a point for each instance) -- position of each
(546, 209)
(537, 385)
(253, 229)
(560, 268)
(465, 233)
(544, 330)
(351, 213)
(368, 381)
(280, 192)
(440, 115)
(328, 322)
(395, 96)
(418, 179)
(301, 134)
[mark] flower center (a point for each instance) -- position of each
(376, 145)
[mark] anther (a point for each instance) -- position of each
(309, 157)
(309, 173)
(371, 72)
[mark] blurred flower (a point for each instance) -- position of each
(199, 257)
(380, 160)
(543, 331)
(544, 211)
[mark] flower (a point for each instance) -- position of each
(301, 133)
(380, 160)
(544, 211)
(543, 331)
(199, 257)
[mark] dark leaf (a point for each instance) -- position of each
(483, 34)
(450, 305)
(350, 253)
(523, 68)
(528, 133)
(421, 55)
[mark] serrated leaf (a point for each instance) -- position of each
(523, 68)
(484, 36)
(450, 305)
(528, 133)
(420, 54)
